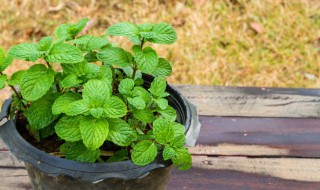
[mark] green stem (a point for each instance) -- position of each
(16, 92)
(48, 64)
(135, 68)
(106, 153)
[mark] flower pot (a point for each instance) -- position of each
(49, 172)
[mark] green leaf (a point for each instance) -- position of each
(91, 70)
(89, 43)
(126, 86)
(114, 56)
(178, 141)
(137, 102)
(178, 128)
(96, 92)
(129, 72)
(47, 131)
(36, 81)
(4, 61)
(70, 31)
(96, 112)
(16, 78)
(76, 68)
(162, 103)
(94, 132)
(68, 128)
(120, 132)
(45, 43)
(182, 158)
(118, 156)
(158, 87)
(39, 114)
(114, 107)
(64, 53)
(25, 51)
(141, 92)
(163, 131)
(144, 153)
(164, 34)
(61, 104)
(169, 113)
(145, 27)
(3, 79)
(71, 80)
(146, 59)
(124, 29)
(168, 152)
(163, 69)
(145, 115)
(77, 108)
(78, 152)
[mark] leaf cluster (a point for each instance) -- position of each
(99, 98)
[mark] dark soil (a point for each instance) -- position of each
(50, 144)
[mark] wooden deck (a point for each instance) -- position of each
(251, 138)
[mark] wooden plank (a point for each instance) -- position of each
(14, 179)
(7, 160)
(258, 137)
(253, 101)
(204, 179)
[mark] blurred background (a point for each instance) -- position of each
(220, 42)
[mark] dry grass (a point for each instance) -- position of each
(235, 42)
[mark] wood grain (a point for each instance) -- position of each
(253, 101)
(14, 179)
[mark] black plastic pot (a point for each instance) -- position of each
(48, 172)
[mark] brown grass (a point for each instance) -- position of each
(235, 42)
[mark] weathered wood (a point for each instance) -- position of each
(14, 179)
(258, 137)
(252, 101)
(7, 160)
(204, 179)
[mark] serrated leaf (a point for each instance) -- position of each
(145, 27)
(178, 141)
(114, 56)
(45, 43)
(47, 131)
(163, 69)
(141, 92)
(68, 128)
(39, 114)
(61, 104)
(94, 132)
(114, 107)
(78, 152)
(70, 31)
(96, 92)
(146, 59)
(129, 72)
(64, 53)
(169, 113)
(162, 103)
(91, 70)
(118, 156)
(126, 86)
(36, 81)
(168, 152)
(96, 112)
(6, 62)
(16, 78)
(89, 43)
(137, 102)
(144, 152)
(125, 29)
(77, 108)
(76, 68)
(164, 34)
(145, 115)
(158, 87)
(3, 79)
(2, 55)
(182, 158)
(178, 128)
(163, 131)
(71, 80)
(120, 132)
(25, 51)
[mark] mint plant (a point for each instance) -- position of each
(98, 104)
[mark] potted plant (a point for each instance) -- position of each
(107, 120)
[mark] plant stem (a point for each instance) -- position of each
(135, 65)
(16, 92)
(106, 153)
(48, 64)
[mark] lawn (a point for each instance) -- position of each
(236, 42)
